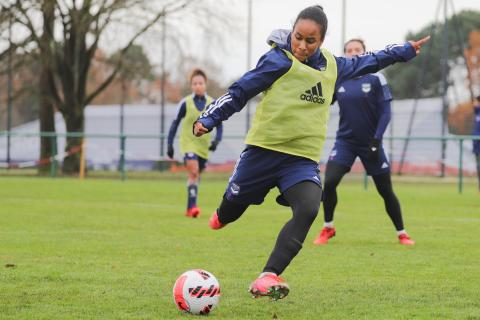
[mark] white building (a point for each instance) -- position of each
(144, 120)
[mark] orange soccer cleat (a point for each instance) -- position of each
(193, 212)
(269, 285)
(214, 223)
(323, 237)
(405, 240)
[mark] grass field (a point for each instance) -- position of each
(105, 249)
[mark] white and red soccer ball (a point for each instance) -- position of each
(196, 291)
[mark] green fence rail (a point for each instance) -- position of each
(124, 137)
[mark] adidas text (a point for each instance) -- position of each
(311, 98)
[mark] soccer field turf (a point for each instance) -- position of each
(107, 249)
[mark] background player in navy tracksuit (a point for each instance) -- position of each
(365, 112)
(195, 151)
(476, 132)
(260, 169)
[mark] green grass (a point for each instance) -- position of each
(105, 249)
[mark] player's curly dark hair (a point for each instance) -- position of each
(354, 40)
(315, 13)
(198, 72)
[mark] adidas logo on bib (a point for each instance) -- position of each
(314, 94)
(384, 165)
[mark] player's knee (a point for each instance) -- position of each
(193, 175)
(388, 195)
(330, 184)
(230, 211)
(308, 212)
(329, 189)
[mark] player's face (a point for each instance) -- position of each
(199, 85)
(353, 48)
(306, 39)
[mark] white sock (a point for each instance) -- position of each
(328, 224)
(265, 273)
(401, 232)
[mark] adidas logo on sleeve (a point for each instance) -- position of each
(314, 94)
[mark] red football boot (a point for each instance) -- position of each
(323, 237)
(269, 285)
(193, 212)
(405, 240)
(214, 223)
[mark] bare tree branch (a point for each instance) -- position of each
(110, 78)
(27, 22)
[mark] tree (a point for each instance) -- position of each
(48, 145)
(403, 79)
(133, 78)
(136, 67)
(24, 70)
(67, 35)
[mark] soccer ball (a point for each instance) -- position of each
(196, 291)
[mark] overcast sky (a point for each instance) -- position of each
(378, 22)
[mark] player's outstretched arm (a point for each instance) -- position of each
(270, 67)
(371, 62)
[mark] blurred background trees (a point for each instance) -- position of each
(403, 78)
(59, 63)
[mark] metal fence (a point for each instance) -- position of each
(126, 153)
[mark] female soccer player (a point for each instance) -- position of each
(195, 150)
(364, 115)
(298, 79)
(476, 132)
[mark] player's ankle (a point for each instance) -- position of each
(328, 224)
(263, 274)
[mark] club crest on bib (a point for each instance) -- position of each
(366, 87)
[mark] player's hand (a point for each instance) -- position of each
(418, 44)
(374, 150)
(213, 145)
(198, 129)
(170, 151)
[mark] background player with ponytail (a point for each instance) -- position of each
(194, 150)
(365, 112)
